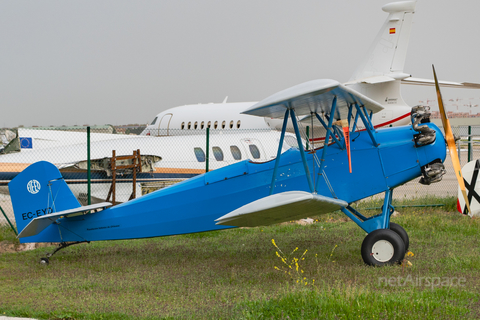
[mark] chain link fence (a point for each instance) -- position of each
(167, 157)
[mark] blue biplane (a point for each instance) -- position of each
(297, 184)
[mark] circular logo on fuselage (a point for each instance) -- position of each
(33, 186)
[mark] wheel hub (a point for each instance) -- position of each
(382, 251)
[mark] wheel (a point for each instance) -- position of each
(44, 261)
(382, 247)
(402, 233)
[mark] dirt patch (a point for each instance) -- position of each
(10, 247)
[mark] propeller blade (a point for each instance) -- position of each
(451, 142)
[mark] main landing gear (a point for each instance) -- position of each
(386, 242)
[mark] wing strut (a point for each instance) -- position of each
(368, 124)
(327, 135)
(327, 128)
(302, 152)
(279, 152)
(300, 147)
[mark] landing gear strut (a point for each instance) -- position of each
(386, 242)
(61, 246)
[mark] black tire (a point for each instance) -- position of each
(402, 233)
(382, 247)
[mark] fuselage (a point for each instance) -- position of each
(193, 205)
(191, 119)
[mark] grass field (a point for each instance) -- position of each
(237, 274)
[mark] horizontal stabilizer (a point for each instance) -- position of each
(281, 207)
(429, 82)
(312, 96)
(39, 224)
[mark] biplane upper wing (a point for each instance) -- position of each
(280, 207)
(323, 96)
(312, 96)
(39, 224)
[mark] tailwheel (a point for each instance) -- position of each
(382, 247)
(402, 233)
(44, 261)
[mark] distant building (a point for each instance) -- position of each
(98, 129)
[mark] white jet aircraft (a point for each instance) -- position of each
(378, 77)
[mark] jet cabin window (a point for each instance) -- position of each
(231, 124)
(254, 151)
(215, 125)
(189, 125)
(236, 153)
(199, 154)
(202, 125)
(223, 124)
(218, 153)
(196, 125)
(209, 124)
(154, 120)
(238, 124)
(183, 125)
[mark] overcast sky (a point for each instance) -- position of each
(119, 62)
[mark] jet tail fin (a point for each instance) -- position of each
(388, 52)
(37, 191)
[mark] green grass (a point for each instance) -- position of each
(231, 274)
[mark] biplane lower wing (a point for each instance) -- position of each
(39, 224)
(280, 207)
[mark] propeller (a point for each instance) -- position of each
(451, 142)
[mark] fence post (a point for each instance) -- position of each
(308, 136)
(89, 190)
(469, 143)
(208, 148)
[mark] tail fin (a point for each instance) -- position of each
(39, 190)
(388, 52)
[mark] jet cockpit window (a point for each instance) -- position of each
(199, 154)
(218, 153)
(238, 124)
(231, 124)
(236, 153)
(154, 120)
(254, 151)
